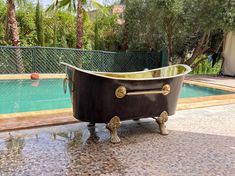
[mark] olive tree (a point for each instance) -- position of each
(186, 28)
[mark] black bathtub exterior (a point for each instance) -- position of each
(94, 100)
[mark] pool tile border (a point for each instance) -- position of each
(27, 76)
(35, 119)
(36, 113)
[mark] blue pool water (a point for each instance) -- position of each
(190, 91)
(47, 94)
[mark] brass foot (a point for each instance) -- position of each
(112, 126)
(161, 122)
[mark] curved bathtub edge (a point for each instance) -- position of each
(99, 74)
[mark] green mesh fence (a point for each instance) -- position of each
(46, 60)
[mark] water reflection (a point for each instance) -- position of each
(75, 151)
(15, 145)
(77, 137)
(96, 155)
(13, 152)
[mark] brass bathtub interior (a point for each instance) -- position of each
(162, 72)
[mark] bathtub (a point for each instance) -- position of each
(111, 97)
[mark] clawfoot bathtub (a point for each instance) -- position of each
(111, 97)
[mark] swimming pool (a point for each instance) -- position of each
(47, 94)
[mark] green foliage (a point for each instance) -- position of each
(206, 68)
(25, 16)
(210, 15)
(106, 32)
(60, 29)
(39, 24)
(69, 5)
(154, 24)
(176, 23)
(3, 10)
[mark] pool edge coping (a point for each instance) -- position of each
(35, 113)
(27, 76)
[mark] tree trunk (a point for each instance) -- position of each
(170, 45)
(79, 42)
(54, 35)
(201, 48)
(169, 27)
(125, 37)
(12, 23)
(96, 34)
(13, 33)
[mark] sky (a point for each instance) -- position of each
(46, 2)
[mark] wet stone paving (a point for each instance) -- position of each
(201, 142)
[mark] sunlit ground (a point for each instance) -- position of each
(201, 142)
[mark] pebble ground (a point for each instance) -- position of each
(201, 142)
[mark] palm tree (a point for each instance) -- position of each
(78, 7)
(13, 33)
(12, 23)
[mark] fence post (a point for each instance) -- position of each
(35, 58)
(33, 55)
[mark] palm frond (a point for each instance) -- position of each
(20, 2)
(53, 6)
(70, 5)
(100, 7)
(64, 3)
(84, 1)
(85, 16)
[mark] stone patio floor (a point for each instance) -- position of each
(201, 142)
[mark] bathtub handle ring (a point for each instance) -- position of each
(121, 91)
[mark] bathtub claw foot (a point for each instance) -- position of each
(112, 126)
(161, 122)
